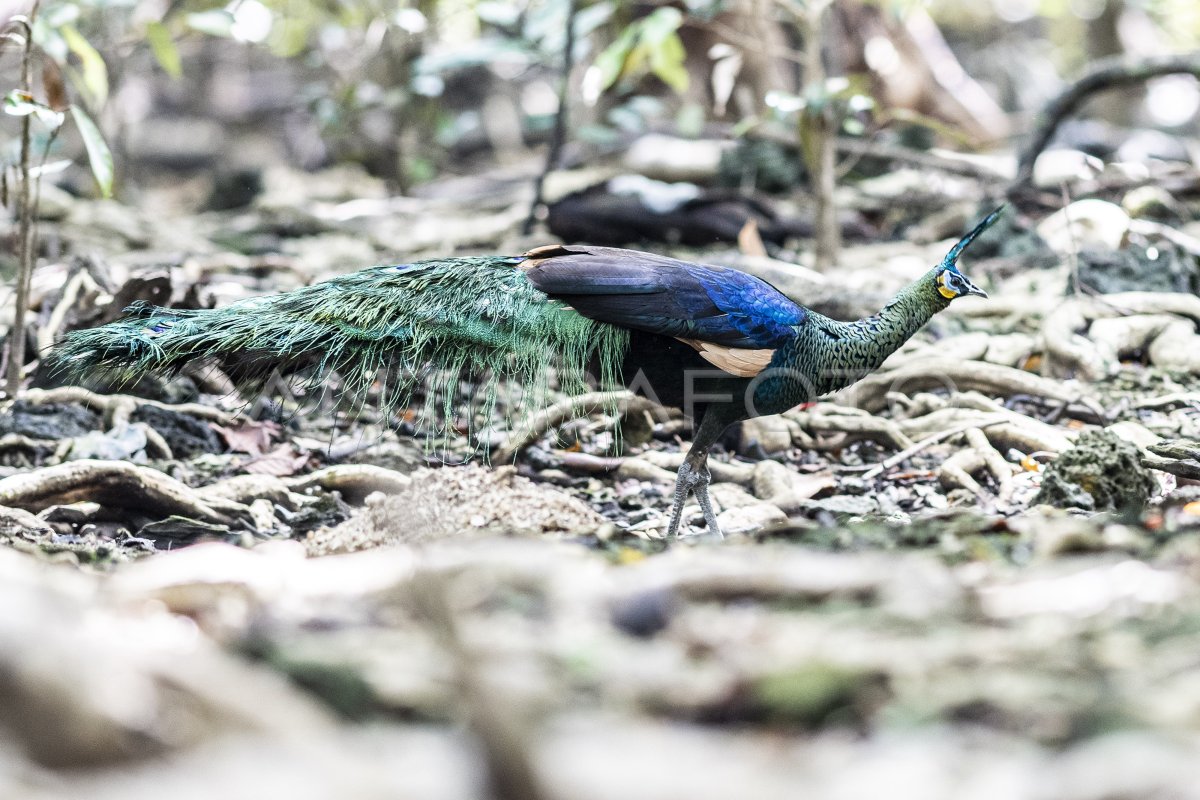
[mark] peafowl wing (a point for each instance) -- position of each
(734, 320)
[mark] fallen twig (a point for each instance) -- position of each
(908, 452)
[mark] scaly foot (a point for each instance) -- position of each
(692, 479)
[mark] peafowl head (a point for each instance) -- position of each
(951, 283)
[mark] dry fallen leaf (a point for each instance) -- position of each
(249, 437)
(750, 241)
(283, 461)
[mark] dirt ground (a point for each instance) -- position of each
(976, 574)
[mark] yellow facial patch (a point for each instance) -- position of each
(949, 294)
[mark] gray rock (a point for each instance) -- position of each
(844, 504)
(764, 435)
(751, 518)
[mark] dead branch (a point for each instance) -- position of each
(1102, 75)
(558, 134)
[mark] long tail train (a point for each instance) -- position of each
(445, 318)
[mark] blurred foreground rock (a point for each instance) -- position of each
(762, 670)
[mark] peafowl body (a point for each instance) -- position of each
(719, 343)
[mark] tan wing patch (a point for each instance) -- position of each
(537, 255)
(734, 360)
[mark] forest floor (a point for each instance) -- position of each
(977, 574)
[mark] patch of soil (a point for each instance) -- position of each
(459, 501)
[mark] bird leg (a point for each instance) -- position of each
(693, 475)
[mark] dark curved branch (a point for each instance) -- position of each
(1105, 74)
(559, 134)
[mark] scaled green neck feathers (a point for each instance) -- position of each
(828, 354)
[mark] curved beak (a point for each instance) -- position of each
(973, 289)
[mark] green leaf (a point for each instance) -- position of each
(93, 70)
(651, 43)
(667, 62)
(611, 61)
(214, 22)
(53, 168)
(21, 104)
(99, 157)
(163, 47)
(661, 24)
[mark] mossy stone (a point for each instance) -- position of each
(1101, 472)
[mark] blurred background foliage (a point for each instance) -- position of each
(413, 91)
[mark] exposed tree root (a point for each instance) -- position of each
(564, 411)
(857, 424)
(988, 425)
(722, 471)
(955, 472)
(16, 441)
(871, 392)
(907, 453)
(353, 481)
(1191, 399)
(1160, 323)
(18, 521)
(119, 485)
(117, 408)
(245, 489)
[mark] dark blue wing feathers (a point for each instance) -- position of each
(661, 295)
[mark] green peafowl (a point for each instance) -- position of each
(721, 344)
